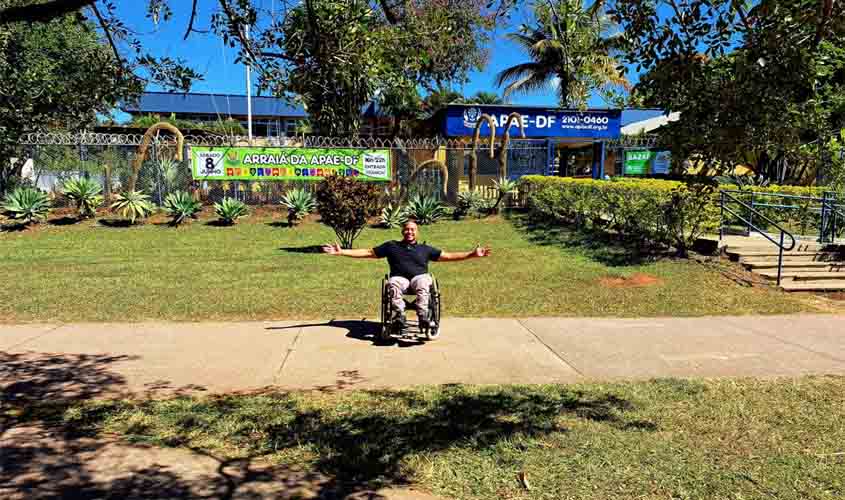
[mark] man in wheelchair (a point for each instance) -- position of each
(408, 262)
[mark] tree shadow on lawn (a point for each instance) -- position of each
(51, 447)
(601, 246)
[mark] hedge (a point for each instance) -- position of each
(646, 210)
(668, 212)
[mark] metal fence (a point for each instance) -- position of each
(54, 158)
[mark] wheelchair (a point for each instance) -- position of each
(389, 330)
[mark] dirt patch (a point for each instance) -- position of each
(633, 281)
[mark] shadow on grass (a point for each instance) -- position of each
(279, 224)
(218, 223)
(305, 249)
(601, 246)
(14, 227)
(65, 221)
(116, 223)
(52, 447)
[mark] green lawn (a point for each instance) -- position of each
(664, 439)
(260, 269)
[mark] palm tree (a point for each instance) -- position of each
(571, 50)
(486, 98)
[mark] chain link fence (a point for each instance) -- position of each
(52, 159)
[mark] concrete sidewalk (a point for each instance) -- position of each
(156, 359)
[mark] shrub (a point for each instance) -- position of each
(503, 186)
(85, 194)
(393, 216)
(229, 210)
(180, 206)
(27, 205)
(425, 209)
(468, 202)
(133, 205)
(345, 205)
(300, 203)
(667, 212)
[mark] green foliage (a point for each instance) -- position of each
(345, 205)
(758, 84)
(569, 49)
(223, 126)
(393, 216)
(470, 203)
(27, 205)
(665, 212)
(299, 202)
(229, 210)
(85, 194)
(504, 187)
(133, 205)
(741, 182)
(341, 55)
(55, 74)
(425, 209)
(181, 206)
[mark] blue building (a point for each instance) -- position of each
(271, 116)
(564, 142)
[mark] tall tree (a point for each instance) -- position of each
(572, 52)
(483, 97)
(56, 74)
(762, 86)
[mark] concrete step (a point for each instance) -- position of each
(800, 246)
(795, 265)
(797, 276)
(814, 286)
(791, 256)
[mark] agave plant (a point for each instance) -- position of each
(229, 210)
(85, 193)
(180, 206)
(504, 186)
(27, 205)
(425, 209)
(468, 201)
(299, 202)
(133, 205)
(393, 216)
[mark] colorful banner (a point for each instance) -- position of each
(637, 162)
(288, 164)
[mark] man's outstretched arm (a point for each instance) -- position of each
(360, 253)
(472, 254)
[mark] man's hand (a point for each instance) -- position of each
(481, 251)
(332, 249)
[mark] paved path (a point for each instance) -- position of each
(55, 362)
(159, 358)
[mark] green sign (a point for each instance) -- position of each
(637, 162)
(286, 164)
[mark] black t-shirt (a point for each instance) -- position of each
(407, 259)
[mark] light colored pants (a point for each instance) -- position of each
(397, 286)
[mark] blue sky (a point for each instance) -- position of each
(207, 54)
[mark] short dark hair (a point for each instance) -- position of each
(410, 220)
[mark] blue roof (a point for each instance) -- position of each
(212, 104)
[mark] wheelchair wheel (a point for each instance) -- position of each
(433, 331)
(384, 333)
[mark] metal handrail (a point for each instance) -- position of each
(783, 232)
(829, 206)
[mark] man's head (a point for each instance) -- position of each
(409, 231)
